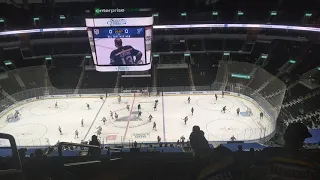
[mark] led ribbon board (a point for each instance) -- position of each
(262, 26)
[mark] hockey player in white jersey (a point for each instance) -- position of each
(128, 107)
(119, 99)
(150, 118)
(76, 134)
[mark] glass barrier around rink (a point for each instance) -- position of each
(249, 134)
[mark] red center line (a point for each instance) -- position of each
(129, 117)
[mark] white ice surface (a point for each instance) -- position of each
(39, 120)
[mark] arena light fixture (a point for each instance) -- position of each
(186, 54)
(240, 13)
(292, 61)
(264, 56)
(183, 14)
(87, 57)
(273, 13)
(308, 14)
(215, 13)
(1, 20)
(47, 58)
(155, 14)
(155, 55)
(7, 62)
(62, 17)
(226, 53)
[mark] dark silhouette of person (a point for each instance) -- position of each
(198, 142)
(288, 162)
(94, 151)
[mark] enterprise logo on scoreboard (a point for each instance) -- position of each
(121, 44)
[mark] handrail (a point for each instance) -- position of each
(72, 144)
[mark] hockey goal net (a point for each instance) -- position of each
(249, 111)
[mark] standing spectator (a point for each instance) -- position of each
(94, 151)
(198, 142)
(135, 144)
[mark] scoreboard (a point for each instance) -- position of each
(128, 32)
(120, 43)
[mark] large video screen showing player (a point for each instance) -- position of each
(120, 46)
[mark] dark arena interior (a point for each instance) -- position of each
(152, 90)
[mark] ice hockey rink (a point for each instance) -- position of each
(39, 120)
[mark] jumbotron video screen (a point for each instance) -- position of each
(121, 44)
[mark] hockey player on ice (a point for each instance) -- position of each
(261, 115)
(154, 126)
(159, 139)
(182, 138)
(76, 134)
(81, 122)
(216, 96)
(119, 99)
(192, 110)
(189, 99)
(60, 130)
(233, 138)
(128, 107)
(116, 115)
(88, 106)
(224, 109)
(185, 120)
(139, 107)
(238, 111)
(111, 114)
(155, 107)
(16, 115)
(156, 101)
(99, 128)
(139, 114)
(56, 105)
(99, 132)
(101, 97)
(104, 119)
(150, 118)
(222, 94)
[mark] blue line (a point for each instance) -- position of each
(163, 121)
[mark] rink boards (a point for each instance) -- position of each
(112, 95)
(166, 114)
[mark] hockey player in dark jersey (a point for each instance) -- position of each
(123, 55)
